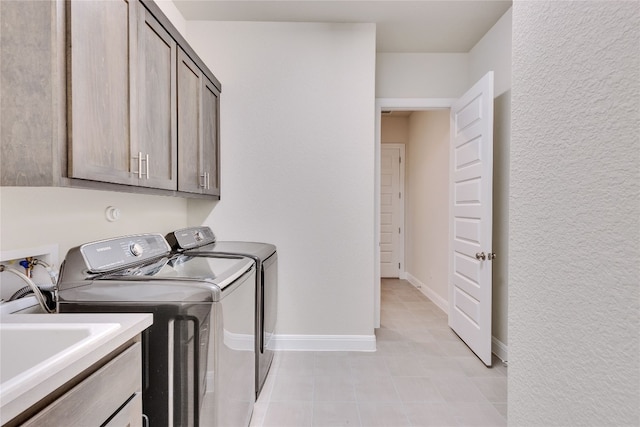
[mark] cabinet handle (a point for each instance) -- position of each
(205, 180)
(144, 159)
(139, 164)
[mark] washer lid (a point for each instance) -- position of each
(208, 271)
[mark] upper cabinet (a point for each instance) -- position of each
(198, 105)
(100, 84)
(99, 97)
(156, 151)
(210, 137)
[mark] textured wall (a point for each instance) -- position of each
(575, 214)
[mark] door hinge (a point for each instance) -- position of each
(399, 159)
(399, 195)
(399, 230)
(398, 266)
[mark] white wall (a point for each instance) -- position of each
(501, 165)
(421, 75)
(36, 216)
(574, 226)
(427, 217)
(297, 123)
(447, 75)
(493, 52)
(169, 8)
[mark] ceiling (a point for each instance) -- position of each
(434, 26)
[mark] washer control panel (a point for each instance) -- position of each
(189, 238)
(120, 252)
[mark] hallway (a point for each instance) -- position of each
(421, 375)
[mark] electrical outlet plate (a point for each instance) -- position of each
(9, 283)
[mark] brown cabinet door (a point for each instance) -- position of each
(198, 136)
(156, 151)
(28, 82)
(210, 128)
(190, 175)
(101, 124)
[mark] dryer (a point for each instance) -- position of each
(198, 356)
(201, 241)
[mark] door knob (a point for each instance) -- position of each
(491, 256)
(480, 256)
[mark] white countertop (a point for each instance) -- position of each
(17, 396)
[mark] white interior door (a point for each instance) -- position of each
(391, 210)
(470, 187)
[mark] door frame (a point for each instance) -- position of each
(391, 104)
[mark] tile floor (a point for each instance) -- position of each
(420, 375)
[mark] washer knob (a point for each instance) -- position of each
(135, 249)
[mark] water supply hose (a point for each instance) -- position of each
(33, 286)
(52, 273)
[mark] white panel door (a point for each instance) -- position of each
(470, 189)
(391, 210)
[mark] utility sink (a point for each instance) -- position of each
(29, 348)
(41, 353)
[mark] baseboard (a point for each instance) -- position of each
(442, 303)
(497, 347)
(324, 342)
